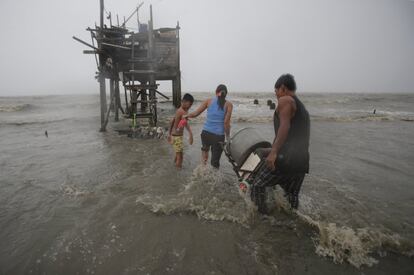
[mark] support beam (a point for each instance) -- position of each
(85, 43)
(102, 88)
(111, 92)
(144, 100)
(134, 99)
(126, 101)
(177, 81)
(107, 113)
(176, 85)
(115, 46)
(101, 13)
(90, 52)
(161, 94)
(117, 100)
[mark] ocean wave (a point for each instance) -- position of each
(368, 118)
(255, 118)
(9, 108)
(26, 123)
(371, 117)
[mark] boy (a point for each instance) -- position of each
(177, 125)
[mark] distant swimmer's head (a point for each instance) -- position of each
(221, 93)
(187, 101)
(285, 85)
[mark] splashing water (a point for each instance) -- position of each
(206, 194)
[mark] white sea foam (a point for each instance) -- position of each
(205, 194)
(358, 247)
(7, 108)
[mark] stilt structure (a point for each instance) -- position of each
(137, 60)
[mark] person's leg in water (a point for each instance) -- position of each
(204, 156)
(205, 142)
(263, 178)
(216, 151)
(179, 160)
(290, 183)
(292, 188)
(179, 148)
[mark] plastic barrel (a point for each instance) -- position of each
(245, 142)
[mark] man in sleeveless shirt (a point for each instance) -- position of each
(288, 160)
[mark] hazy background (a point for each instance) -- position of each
(329, 45)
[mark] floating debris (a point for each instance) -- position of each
(144, 132)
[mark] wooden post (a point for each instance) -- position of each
(117, 100)
(107, 113)
(102, 88)
(134, 94)
(134, 101)
(144, 98)
(176, 86)
(151, 77)
(102, 8)
(177, 81)
(111, 92)
(127, 111)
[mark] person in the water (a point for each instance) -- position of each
(288, 160)
(176, 131)
(217, 125)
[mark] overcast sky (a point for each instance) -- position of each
(329, 45)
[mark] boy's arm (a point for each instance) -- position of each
(171, 126)
(190, 138)
(170, 130)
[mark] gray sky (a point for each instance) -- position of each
(329, 45)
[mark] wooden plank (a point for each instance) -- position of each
(161, 94)
(141, 72)
(90, 52)
(115, 46)
(85, 43)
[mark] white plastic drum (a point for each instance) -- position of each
(245, 142)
